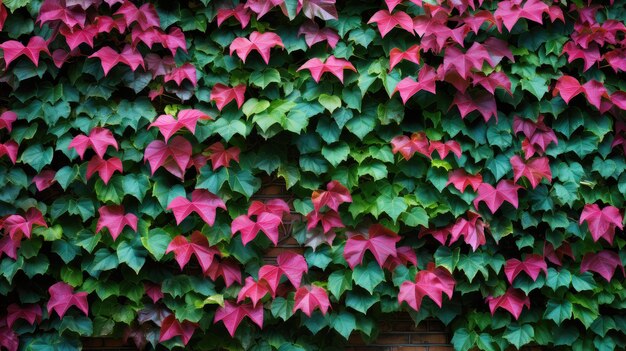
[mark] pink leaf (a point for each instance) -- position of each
(432, 282)
(232, 315)
(506, 190)
(604, 263)
(513, 301)
(203, 202)
(602, 222)
(380, 241)
(114, 219)
(311, 297)
(105, 168)
(99, 139)
(261, 42)
(223, 94)
(62, 297)
(13, 49)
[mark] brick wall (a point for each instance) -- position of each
(399, 333)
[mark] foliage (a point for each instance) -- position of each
(461, 160)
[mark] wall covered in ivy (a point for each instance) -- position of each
(461, 160)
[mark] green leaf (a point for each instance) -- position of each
(132, 254)
(339, 282)
(330, 102)
(415, 217)
(558, 311)
(519, 335)
(336, 153)
(37, 156)
(243, 182)
(15, 4)
(156, 241)
(264, 78)
(282, 308)
(360, 301)
(344, 323)
(136, 185)
(368, 276)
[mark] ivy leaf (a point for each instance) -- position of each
(35, 156)
(232, 315)
(368, 276)
(432, 282)
(203, 202)
(308, 298)
(380, 241)
(62, 297)
(519, 335)
(513, 300)
(261, 42)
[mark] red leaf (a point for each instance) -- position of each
(10, 148)
(3, 17)
(290, 264)
(538, 133)
(114, 219)
(106, 24)
(472, 230)
(6, 120)
(556, 256)
(175, 155)
(380, 241)
(534, 169)
(313, 34)
(261, 7)
(174, 40)
(148, 36)
(222, 95)
(179, 74)
(462, 180)
(266, 222)
(391, 4)
(616, 59)
(513, 301)
(159, 66)
(425, 81)
(30, 313)
(483, 103)
(407, 147)
(221, 156)
(99, 140)
(253, 290)
(440, 234)
(532, 265)
(329, 219)
(188, 118)
(153, 291)
(240, 12)
(411, 54)
(506, 190)
(203, 202)
(8, 338)
(567, 87)
(57, 10)
(405, 255)
(145, 16)
(334, 195)
(110, 58)
(510, 11)
(171, 327)
(62, 297)
(105, 168)
(17, 225)
(590, 55)
(444, 148)
(232, 315)
(198, 245)
(261, 42)
(44, 179)
(275, 206)
(386, 21)
(432, 282)
(602, 222)
(604, 263)
(228, 269)
(13, 49)
(9, 246)
(332, 65)
(311, 297)
(75, 37)
(492, 81)
(324, 9)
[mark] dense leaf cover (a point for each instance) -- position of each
(460, 160)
